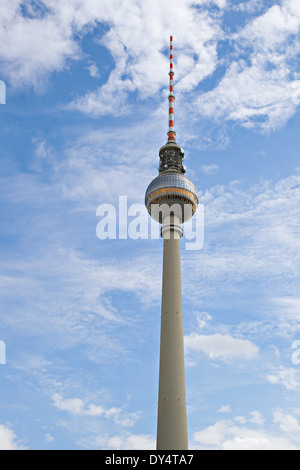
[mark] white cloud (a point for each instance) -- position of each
(253, 96)
(84, 304)
(109, 99)
(287, 309)
(136, 37)
(219, 3)
(93, 172)
(224, 409)
(226, 435)
(72, 405)
(223, 347)
(49, 438)
(273, 27)
(93, 70)
(8, 439)
(264, 93)
(240, 419)
(126, 441)
(249, 6)
(35, 45)
(131, 441)
(202, 319)
(210, 169)
(263, 222)
(256, 418)
(212, 435)
(287, 377)
(287, 422)
(80, 408)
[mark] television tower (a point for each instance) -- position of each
(171, 199)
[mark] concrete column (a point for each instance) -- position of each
(172, 421)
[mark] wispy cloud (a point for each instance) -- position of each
(263, 221)
(27, 32)
(287, 377)
(249, 6)
(210, 169)
(136, 53)
(287, 313)
(78, 407)
(256, 418)
(56, 28)
(260, 88)
(68, 297)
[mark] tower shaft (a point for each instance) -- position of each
(172, 420)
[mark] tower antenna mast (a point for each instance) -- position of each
(171, 133)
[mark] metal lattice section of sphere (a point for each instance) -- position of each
(172, 188)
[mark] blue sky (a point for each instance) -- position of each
(85, 115)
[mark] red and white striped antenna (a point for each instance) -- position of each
(171, 133)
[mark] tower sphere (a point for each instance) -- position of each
(171, 189)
